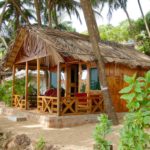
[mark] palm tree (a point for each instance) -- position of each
(14, 13)
(116, 4)
(2, 13)
(123, 5)
(15, 10)
(95, 38)
(38, 13)
(1, 18)
(144, 18)
(59, 6)
(48, 13)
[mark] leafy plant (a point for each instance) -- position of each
(102, 129)
(6, 92)
(6, 89)
(40, 144)
(83, 88)
(137, 96)
(143, 43)
(137, 93)
(20, 86)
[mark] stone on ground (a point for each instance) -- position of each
(17, 118)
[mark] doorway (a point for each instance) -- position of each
(74, 77)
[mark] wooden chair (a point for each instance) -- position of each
(83, 103)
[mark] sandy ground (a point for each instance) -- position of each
(75, 138)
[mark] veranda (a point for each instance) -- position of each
(67, 93)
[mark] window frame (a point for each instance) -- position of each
(94, 67)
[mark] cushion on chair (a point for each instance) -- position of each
(51, 92)
(82, 97)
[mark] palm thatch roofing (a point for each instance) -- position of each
(34, 42)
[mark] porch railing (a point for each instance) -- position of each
(18, 101)
(71, 105)
(47, 104)
(82, 105)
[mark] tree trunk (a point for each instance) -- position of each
(49, 14)
(20, 11)
(38, 14)
(17, 23)
(55, 16)
(4, 41)
(129, 19)
(144, 19)
(95, 39)
(2, 13)
(1, 20)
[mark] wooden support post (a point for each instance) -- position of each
(65, 82)
(49, 79)
(46, 79)
(58, 89)
(13, 83)
(38, 79)
(88, 79)
(80, 77)
(68, 80)
(26, 87)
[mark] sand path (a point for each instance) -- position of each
(74, 138)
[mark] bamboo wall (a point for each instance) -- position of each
(115, 74)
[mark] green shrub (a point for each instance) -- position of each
(6, 89)
(137, 96)
(102, 129)
(83, 88)
(20, 86)
(6, 92)
(40, 144)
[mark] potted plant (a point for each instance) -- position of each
(102, 129)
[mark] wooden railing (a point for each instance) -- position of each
(82, 105)
(71, 105)
(47, 104)
(68, 105)
(18, 102)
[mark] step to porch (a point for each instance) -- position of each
(51, 120)
(17, 118)
(48, 120)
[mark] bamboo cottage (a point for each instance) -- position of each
(72, 76)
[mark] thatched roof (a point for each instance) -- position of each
(60, 45)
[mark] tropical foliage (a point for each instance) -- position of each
(119, 33)
(40, 144)
(102, 129)
(137, 96)
(6, 92)
(6, 89)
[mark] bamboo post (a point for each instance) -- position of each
(13, 82)
(65, 72)
(49, 80)
(38, 79)
(58, 89)
(46, 79)
(26, 86)
(88, 80)
(68, 80)
(80, 77)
